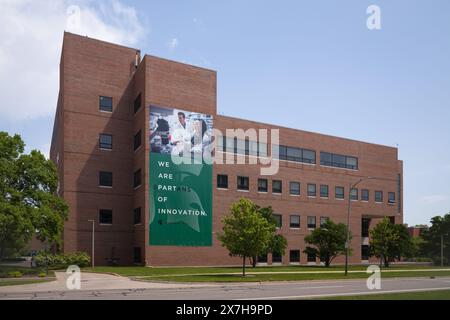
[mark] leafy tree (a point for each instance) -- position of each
(390, 241)
(28, 204)
(245, 232)
(431, 247)
(328, 241)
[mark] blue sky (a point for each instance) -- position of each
(315, 62)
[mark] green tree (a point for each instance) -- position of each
(390, 241)
(328, 241)
(28, 204)
(245, 232)
(431, 247)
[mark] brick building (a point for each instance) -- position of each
(101, 148)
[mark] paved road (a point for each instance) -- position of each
(99, 286)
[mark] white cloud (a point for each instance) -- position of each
(31, 37)
(435, 198)
(173, 43)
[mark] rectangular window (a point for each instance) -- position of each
(365, 225)
(277, 186)
(105, 216)
(137, 178)
(364, 194)
(262, 149)
(311, 222)
(137, 215)
(322, 221)
(222, 181)
(311, 190)
(137, 103)
(252, 148)
(105, 104)
(262, 185)
(294, 188)
(105, 141)
(243, 183)
(262, 258)
(378, 196)
(278, 220)
(137, 256)
(311, 257)
(294, 256)
(354, 194)
(294, 222)
(338, 161)
(339, 192)
(137, 141)
(296, 154)
(324, 191)
(276, 257)
(365, 252)
(105, 179)
(240, 146)
(391, 197)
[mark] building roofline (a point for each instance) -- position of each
(101, 41)
(181, 63)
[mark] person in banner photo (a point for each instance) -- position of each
(181, 134)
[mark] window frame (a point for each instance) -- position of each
(336, 193)
(309, 225)
(277, 191)
(221, 186)
(308, 192)
(137, 212)
(100, 173)
(365, 191)
(380, 192)
(279, 222)
(291, 183)
(239, 187)
(101, 107)
(297, 256)
(138, 134)
(105, 146)
(102, 212)
(267, 185)
(291, 224)
(327, 193)
(137, 178)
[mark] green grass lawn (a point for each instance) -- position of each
(20, 281)
(423, 295)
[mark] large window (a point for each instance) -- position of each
(137, 255)
(364, 194)
(137, 178)
(294, 256)
(262, 185)
(137, 215)
(354, 194)
(311, 222)
(222, 181)
(378, 196)
(105, 216)
(294, 222)
(339, 193)
(105, 141)
(365, 252)
(137, 141)
(365, 226)
(276, 257)
(105, 104)
(294, 188)
(323, 191)
(338, 161)
(137, 103)
(278, 220)
(391, 197)
(277, 186)
(297, 154)
(243, 183)
(105, 179)
(311, 190)
(262, 258)
(311, 257)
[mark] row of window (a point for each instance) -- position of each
(106, 178)
(105, 104)
(243, 184)
(105, 216)
(106, 141)
(294, 257)
(294, 221)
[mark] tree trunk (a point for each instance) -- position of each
(243, 266)
(327, 263)
(254, 262)
(386, 261)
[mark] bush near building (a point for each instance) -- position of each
(62, 261)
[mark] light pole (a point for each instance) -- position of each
(93, 242)
(347, 242)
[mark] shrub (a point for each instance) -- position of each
(42, 275)
(15, 274)
(61, 261)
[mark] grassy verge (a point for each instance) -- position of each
(423, 295)
(21, 281)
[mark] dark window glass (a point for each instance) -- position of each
(294, 221)
(243, 183)
(338, 161)
(311, 222)
(105, 141)
(354, 194)
(339, 192)
(262, 185)
(322, 221)
(276, 257)
(296, 154)
(365, 194)
(137, 103)
(365, 252)
(311, 190)
(105, 179)
(137, 141)
(365, 224)
(105, 104)
(105, 216)
(294, 188)
(324, 191)
(278, 220)
(240, 146)
(137, 256)
(262, 258)
(378, 196)
(137, 178)
(309, 156)
(222, 181)
(277, 186)
(294, 256)
(391, 197)
(311, 257)
(137, 215)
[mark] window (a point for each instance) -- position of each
(311, 257)
(105, 104)
(365, 224)
(137, 215)
(243, 183)
(240, 146)
(294, 256)
(277, 186)
(278, 220)
(105, 179)
(262, 149)
(294, 188)
(365, 252)
(137, 141)
(137, 178)
(105, 216)
(105, 141)
(339, 192)
(137, 103)
(338, 161)
(391, 197)
(222, 181)
(311, 190)
(323, 191)
(262, 258)
(276, 257)
(262, 185)
(322, 221)
(137, 258)
(378, 196)
(364, 194)
(311, 222)
(296, 154)
(294, 222)
(354, 194)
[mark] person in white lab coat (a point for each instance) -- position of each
(181, 134)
